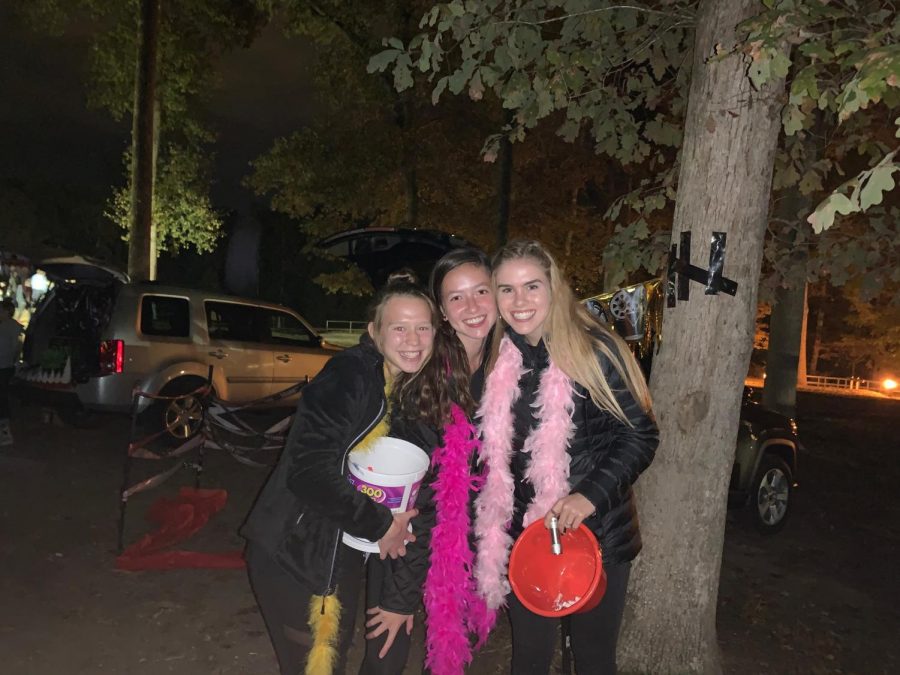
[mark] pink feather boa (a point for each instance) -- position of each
(548, 470)
(453, 607)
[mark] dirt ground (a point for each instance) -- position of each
(823, 596)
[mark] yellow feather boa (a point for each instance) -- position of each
(324, 622)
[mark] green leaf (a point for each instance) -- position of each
(823, 217)
(438, 90)
(569, 130)
(880, 181)
(793, 120)
(812, 182)
(760, 72)
(402, 75)
(476, 87)
(781, 64)
(380, 61)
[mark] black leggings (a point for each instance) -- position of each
(394, 661)
(594, 634)
(284, 604)
(6, 375)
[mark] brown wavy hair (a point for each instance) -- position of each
(426, 394)
(450, 349)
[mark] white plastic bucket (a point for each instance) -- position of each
(389, 473)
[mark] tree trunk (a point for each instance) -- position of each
(783, 357)
(139, 240)
(154, 231)
(817, 341)
(504, 186)
(804, 336)
(786, 320)
(724, 185)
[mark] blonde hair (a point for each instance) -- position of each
(573, 335)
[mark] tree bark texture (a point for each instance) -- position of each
(784, 359)
(154, 226)
(403, 112)
(724, 185)
(786, 320)
(139, 241)
(504, 189)
(817, 340)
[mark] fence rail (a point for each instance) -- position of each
(854, 383)
(346, 326)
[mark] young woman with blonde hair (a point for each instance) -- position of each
(566, 429)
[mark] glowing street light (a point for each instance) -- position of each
(889, 384)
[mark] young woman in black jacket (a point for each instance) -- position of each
(567, 428)
(305, 579)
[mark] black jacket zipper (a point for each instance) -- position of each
(337, 539)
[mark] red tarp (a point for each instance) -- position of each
(176, 520)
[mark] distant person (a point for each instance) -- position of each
(10, 330)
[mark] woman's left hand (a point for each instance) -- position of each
(569, 511)
(382, 620)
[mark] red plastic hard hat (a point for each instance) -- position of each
(557, 585)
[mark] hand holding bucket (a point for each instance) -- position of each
(557, 584)
(390, 473)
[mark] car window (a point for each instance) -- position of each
(231, 321)
(165, 315)
(285, 329)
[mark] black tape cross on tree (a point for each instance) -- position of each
(681, 272)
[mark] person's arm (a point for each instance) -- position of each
(623, 451)
(328, 411)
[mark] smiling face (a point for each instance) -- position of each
(468, 303)
(523, 297)
(405, 334)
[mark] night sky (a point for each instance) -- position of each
(48, 132)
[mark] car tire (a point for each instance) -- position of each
(771, 494)
(186, 413)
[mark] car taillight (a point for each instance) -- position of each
(112, 356)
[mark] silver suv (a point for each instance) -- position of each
(95, 337)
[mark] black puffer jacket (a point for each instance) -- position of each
(605, 455)
(307, 501)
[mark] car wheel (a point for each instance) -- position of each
(182, 416)
(770, 495)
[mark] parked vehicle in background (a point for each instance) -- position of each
(96, 337)
(378, 251)
(765, 468)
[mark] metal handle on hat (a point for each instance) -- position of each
(555, 546)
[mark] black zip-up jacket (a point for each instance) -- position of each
(605, 455)
(307, 501)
